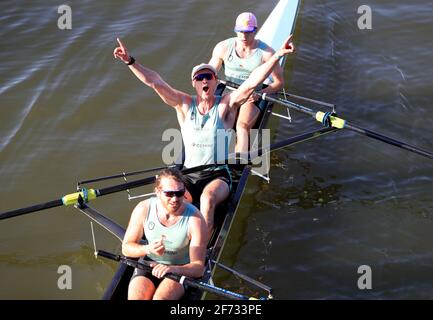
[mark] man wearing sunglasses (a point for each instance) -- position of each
(240, 56)
(202, 117)
(175, 232)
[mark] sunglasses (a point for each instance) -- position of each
(252, 31)
(177, 194)
(207, 76)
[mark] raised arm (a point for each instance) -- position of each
(240, 95)
(277, 75)
(169, 95)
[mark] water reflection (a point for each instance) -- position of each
(297, 188)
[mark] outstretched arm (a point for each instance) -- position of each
(240, 95)
(277, 75)
(169, 95)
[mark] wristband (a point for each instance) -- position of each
(131, 60)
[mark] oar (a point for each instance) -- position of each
(284, 93)
(339, 123)
(322, 103)
(331, 120)
(178, 278)
(72, 198)
(89, 194)
(123, 175)
(249, 157)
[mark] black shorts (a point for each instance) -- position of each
(148, 274)
(261, 104)
(195, 182)
(144, 273)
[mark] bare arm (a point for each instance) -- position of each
(131, 246)
(277, 75)
(169, 95)
(240, 95)
(218, 55)
(197, 252)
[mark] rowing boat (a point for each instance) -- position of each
(277, 27)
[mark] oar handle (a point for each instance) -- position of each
(108, 255)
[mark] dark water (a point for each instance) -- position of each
(69, 111)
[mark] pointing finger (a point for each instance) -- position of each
(120, 44)
(287, 44)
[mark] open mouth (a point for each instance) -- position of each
(205, 88)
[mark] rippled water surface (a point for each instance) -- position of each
(69, 111)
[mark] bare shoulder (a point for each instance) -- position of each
(141, 209)
(221, 48)
(135, 225)
(228, 101)
(225, 102)
(183, 107)
(267, 51)
(197, 215)
(143, 204)
(197, 220)
(225, 99)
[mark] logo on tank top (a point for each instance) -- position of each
(151, 225)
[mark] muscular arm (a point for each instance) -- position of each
(197, 248)
(218, 53)
(131, 246)
(277, 75)
(169, 95)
